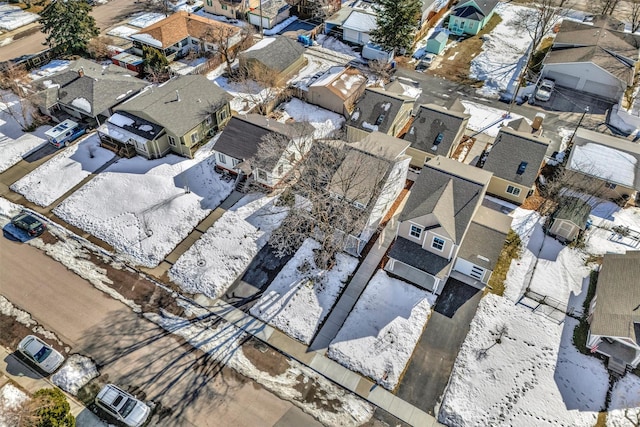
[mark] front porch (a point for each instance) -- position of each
(121, 149)
(620, 355)
(413, 275)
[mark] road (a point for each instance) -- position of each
(192, 390)
(105, 15)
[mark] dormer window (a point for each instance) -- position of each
(521, 168)
(380, 119)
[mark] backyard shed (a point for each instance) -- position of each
(570, 218)
(437, 42)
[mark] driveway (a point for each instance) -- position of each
(428, 372)
(569, 100)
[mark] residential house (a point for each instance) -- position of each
(437, 42)
(358, 25)
(179, 116)
(436, 131)
(318, 8)
(515, 158)
(86, 91)
(430, 12)
(271, 13)
(336, 90)
(614, 318)
(444, 231)
(279, 57)
(370, 178)
(232, 9)
(238, 145)
(598, 58)
(379, 111)
(570, 218)
(611, 160)
(183, 32)
(469, 17)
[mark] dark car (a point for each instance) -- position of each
(29, 223)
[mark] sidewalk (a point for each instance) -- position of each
(30, 381)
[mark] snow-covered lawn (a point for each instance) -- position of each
(486, 119)
(533, 376)
(624, 408)
(334, 44)
(301, 296)
(324, 121)
(246, 94)
(13, 17)
(11, 398)
(14, 150)
(214, 262)
(61, 173)
(379, 336)
(77, 371)
(144, 208)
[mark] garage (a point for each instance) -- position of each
(469, 269)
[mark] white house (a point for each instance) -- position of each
(358, 25)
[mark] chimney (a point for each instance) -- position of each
(81, 72)
(177, 96)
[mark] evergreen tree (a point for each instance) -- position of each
(68, 26)
(50, 409)
(156, 65)
(397, 22)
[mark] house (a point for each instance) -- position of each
(469, 17)
(233, 9)
(238, 145)
(611, 160)
(279, 57)
(358, 25)
(437, 42)
(370, 178)
(598, 58)
(336, 90)
(614, 318)
(86, 91)
(182, 32)
(444, 231)
(570, 218)
(515, 158)
(180, 116)
(379, 111)
(435, 131)
(271, 13)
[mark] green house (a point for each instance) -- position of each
(437, 42)
(471, 16)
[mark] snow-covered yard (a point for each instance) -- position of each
(61, 173)
(380, 333)
(214, 262)
(76, 372)
(532, 376)
(301, 296)
(144, 208)
(246, 94)
(624, 408)
(324, 121)
(11, 398)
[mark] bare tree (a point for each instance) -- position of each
(99, 47)
(604, 7)
(634, 15)
(16, 98)
(259, 87)
(228, 41)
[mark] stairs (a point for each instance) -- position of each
(617, 366)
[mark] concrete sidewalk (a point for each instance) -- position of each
(30, 381)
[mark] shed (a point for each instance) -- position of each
(437, 42)
(570, 218)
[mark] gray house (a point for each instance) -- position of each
(570, 218)
(279, 56)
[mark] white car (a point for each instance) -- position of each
(544, 91)
(40, 354)
(122, 406)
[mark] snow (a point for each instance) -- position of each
(14, 150)
(13, 17)
(76, 372)
(245, 94)
(485, 119)
(62, 172)
(314, 69)
(324, 121)
(120, 120)
(281, 26)
(146, 19)
(144, 208)
(336, 45)
(367, 125)
(299, 299)
(11, 398)
(215, 260)
(147, 39)
(605, 162)
(360, 22)
(533, 376)
(380, 333)
(625, 402)
(50, 68)
(82, 104)
(262, 44)
(122, 31)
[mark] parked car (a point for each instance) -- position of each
(41, 354)
(425, 62)
(122, 406)
(545, 89)
(29, 223)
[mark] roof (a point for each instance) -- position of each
(178, 105)
(360, 21)
(412, 254)
(603, 58)
(513, 152)
(484, 240)
(439, 36)
(382, 145)
(377, 110)
(573, 209)
(482, 8)
(278, 54)
(177, 27)
(449, 195)
(617, 297)
(435, 128)
(270, 8)
(342, 81)
(605, 157)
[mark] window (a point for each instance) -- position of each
(262, 175)
(224, 7)
(172, 141)
(209, 120)
(380, 119)
(222, 158)
(194, 137)
(209, 3)
(235, 162)
(415, 231)
(610, 185)
(223, 114)
(438, 139)
(515, 191)
(437, 243)
(521, 168)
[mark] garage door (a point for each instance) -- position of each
(469, 269)
(562, 79)
(605, 91)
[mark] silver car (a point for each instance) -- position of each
(122, 406)
(40, 354)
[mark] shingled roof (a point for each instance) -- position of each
(475, 10)
(275, 53)
(377, 110)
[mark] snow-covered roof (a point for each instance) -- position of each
(261, 44)
(360, 21)
(120, 134)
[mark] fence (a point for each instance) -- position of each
(548, 306)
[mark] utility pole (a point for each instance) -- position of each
(261, 29)
(570, 144)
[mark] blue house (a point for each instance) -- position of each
(437, 42)
(471, 16)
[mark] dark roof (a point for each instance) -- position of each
(508, 152)
(178, 105)
(484, 240)
(573, 209)
(483, 8)
(451, 198)
(377, 110)
(431, 121)
(412, 254)
(277, 55)
(604, 58)
(468, 12)
(140, 127)
(439, 36)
